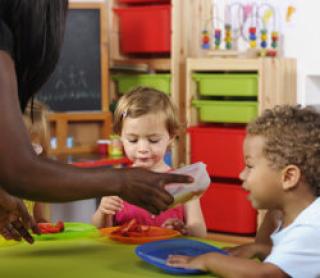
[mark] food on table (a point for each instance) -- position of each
(132, 229)
(51, 228)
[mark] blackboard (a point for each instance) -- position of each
(75, 85)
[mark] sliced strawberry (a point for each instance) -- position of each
(130, 226)
(49, 228)
(143, 228)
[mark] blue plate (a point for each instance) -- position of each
(157, 252)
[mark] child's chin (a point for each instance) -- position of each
(146, 165)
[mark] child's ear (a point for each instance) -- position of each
(291, 175)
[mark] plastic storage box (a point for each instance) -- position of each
(226, 209)
(218, 147)
(160, 81)
(145, 29)
(226, 111)
(236, 84)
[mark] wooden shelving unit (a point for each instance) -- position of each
(277, 80)
(276, 84)
(81, 127)
(175, 64)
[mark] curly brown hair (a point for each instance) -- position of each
(292, 136)
(144, 100)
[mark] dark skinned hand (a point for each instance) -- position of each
(145, 189)
(15, 219)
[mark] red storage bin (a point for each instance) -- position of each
(220, 148)
(145, 29)
(226, 209)
(143, 1)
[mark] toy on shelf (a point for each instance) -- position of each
(253, 37)
(251, 26)
(205, 39)
(264, 39)
(228, 36)
(267, 15)
(217, 38)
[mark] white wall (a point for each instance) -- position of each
(303, 43)
(300, 40)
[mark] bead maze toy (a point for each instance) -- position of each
(255, 24)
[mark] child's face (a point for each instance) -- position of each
(145, 140)
(262, 181)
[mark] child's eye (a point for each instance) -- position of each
(133, 140)
(153, 141)
(249, 166)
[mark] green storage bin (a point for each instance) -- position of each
(221, 84)
(226, 111)
(159, 81)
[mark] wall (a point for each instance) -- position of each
(300, 40)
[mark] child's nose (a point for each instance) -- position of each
(242, 175)
(143, 145)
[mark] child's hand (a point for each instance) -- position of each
(249, 250)
(110, 205)
(175, 224)
(187, 262)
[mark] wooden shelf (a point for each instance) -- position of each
(276, 85)
(152, 64)
(277, 79)
(60, 125)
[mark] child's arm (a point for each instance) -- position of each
(250, 250)
(263, 244)
(269, 224)
(103, 217)
(195, 223)
(227, 266)
(39, 213)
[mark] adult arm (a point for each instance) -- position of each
(28, 176)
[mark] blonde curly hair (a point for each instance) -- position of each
(292, 136)
(142, 101)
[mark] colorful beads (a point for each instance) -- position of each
(205, 39)
(228, 36)
(252, 37)
(274, 39)
(263, 38)
(217, 38)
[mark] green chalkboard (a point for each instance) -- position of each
(75, 85)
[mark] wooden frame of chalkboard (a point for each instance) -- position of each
(66, 123)
(80, 79)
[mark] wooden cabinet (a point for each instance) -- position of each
(172, 64)
(82, 128)
(225, 94)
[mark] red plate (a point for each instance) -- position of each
(154, 233)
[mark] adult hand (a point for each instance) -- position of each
(146, 189)
(15, 219)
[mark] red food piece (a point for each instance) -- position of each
(132, 229)
(50, 228)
